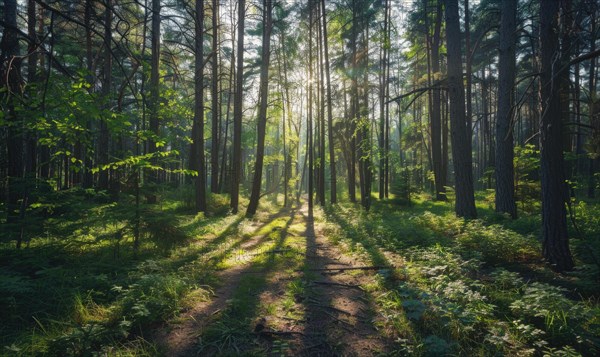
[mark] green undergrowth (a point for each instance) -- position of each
(476, 287)
(79, 288)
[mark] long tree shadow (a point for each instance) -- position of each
(339, 316)
(226, 323)
(314, 343)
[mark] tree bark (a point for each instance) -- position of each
(384, 63)
(321, 124)
(32, 67)
(154, 82)
(198, 133)
(103, 140)
(505, 187)
(262, 114)
(461, 143)
(364, 138)
(237, 112)
(555, 243)
(215, 107)
(11, 83)
(88, 178)
(591, 192)
(309, 127)
(332, 168)
(435, 113)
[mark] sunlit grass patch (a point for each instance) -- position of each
(97, 292)
(270, 255)
(448, 301)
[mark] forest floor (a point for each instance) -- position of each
(303, 294)
(397, 280)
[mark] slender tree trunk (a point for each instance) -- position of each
(332, 168)
(103, 140)
(284, 105)
(364, 150)
(32, 67)
(579, 137)
(461, 144)
(237, 111)
(44, 151)
(382, 105)
(564, 80)
(309, 127)
(354, 113)
(387, 105)
(154, 104)
(216, 113)
(10, 83)
(468, 66)
(262, 114)
(505, 188)
(198, 129)
(321, 108)
(435, 106)
(88, 178)
(555, 243)
(288, 107)
(591, 104)
(228, 110)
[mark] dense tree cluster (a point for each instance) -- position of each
(303, 98)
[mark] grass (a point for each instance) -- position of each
(454, 287)
(470, 287)
(272, 251)
(79, 287)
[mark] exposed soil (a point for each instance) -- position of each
(338, 317)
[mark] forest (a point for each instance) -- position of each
(299, 178)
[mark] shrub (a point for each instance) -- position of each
(496, 244)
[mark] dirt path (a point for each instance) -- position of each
(337, 304)
(302, 305)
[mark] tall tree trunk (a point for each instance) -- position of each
(591, 104)
(434, 101)
(435, 106)
(88, 178)
(10, 83)
(382, 102)
(309, 127)
(461, 143)
(555, 244)
(284, 112)
(387, 105)
(215, 107)
(288, 107)
(198, 133)
(154, 104)
(237, 111)
(321, 108)
(468, 66)
(103, 140)
(32, 67)
(364, 149)
(564, 79)
(332, 169)
(262, 114)
(354, 113)
(505, 187)
(228, 106)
